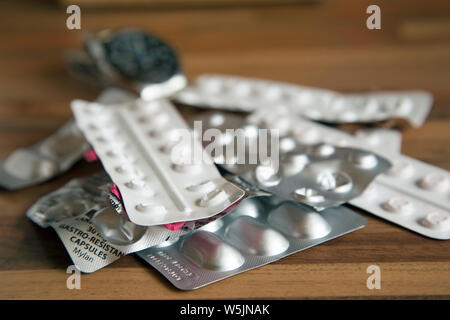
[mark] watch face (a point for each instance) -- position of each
(141, 57)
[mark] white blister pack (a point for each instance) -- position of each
(296, 129)
(140, 147)
(423, 217)
(246, 94)
(412, 194)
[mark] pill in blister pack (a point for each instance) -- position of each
(419, 179)
(412, 194)
(320, 175)
(256, 233)
(44, 160)
(140, 146)
(423, 217)
(244, 94)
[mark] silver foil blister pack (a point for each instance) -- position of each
(73, 199)
(321, 175)
(245, 94)
(259, 231)
(91, 230)
(90, 251)
(35, 164)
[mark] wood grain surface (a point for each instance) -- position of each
(325, 45)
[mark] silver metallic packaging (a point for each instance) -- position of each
(259, 231)
(245, 94)
(321, 175)
(44, 160)
(73, 199)
(55, 154)
(90, 251)
(94, 234)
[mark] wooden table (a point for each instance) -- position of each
(326, 45)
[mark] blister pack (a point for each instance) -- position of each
(412, 194)
(73, 199)
(320, 175)
(44, 160)
(141, 147)
(92, 232)
(256, 233)
(55, 154)
(89, 250)
(295, 130)
(245, 94)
